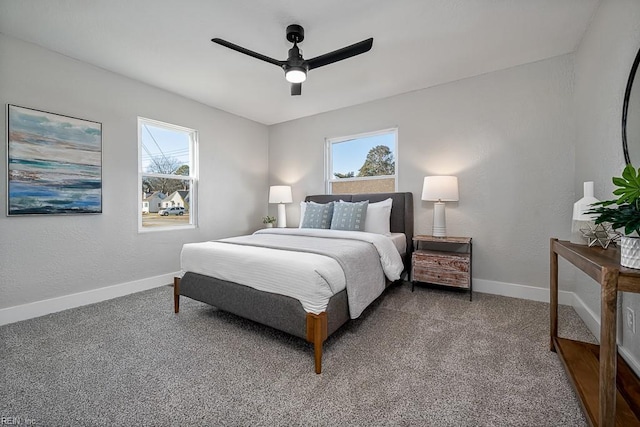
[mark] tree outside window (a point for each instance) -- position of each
(364, 163)
(167, 175)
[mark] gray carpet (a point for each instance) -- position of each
(427, 358)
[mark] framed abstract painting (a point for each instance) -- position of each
(54, 164)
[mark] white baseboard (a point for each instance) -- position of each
(53, 305)
(588, 316)
(629, 358)
(592, 320)
(520, 291)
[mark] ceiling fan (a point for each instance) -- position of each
(295, 66)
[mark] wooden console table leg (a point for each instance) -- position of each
(608, 349)
(553, 290)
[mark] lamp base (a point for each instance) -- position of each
(282, 216)
(439, 220)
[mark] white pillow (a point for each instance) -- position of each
(378, 217)
(303, 208)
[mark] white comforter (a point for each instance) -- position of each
(310, 278)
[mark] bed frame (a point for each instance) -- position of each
(286, 313)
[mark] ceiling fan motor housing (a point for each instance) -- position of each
(296, 68)
(295, 33)
(295, 59)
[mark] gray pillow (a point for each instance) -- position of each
(349, 216)
(317, 215)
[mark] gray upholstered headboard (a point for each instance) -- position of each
(401, 212)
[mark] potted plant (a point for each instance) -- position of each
(269, 221)
(625, 215)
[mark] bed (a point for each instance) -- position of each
(287, 313)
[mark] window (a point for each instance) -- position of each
(167, 175)
(364, 163)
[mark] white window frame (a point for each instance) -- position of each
(193, 175)
(329, 158)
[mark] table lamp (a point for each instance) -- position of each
(281, 194)
(440, 189)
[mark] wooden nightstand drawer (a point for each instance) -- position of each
(440, 277)
(442, 261)
(438, 261)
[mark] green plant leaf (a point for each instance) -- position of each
(620, 182)
(628, 190)
(605, 203)
(627, 213)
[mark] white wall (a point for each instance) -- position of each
(53, 256)
(513, 137)
(507, 135)
(603, 63)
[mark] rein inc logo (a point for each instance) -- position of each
(16, 421)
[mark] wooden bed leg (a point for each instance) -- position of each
(176, 294)
(317, 334)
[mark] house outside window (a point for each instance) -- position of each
(363, 163)
(167, 175)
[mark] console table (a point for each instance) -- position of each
(609, 391)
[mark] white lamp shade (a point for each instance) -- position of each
(440, 188)
(280, 194)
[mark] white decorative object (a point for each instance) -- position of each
(630, 252)
(601, 234)
(582, 220)
(440, 189)
(281, 194)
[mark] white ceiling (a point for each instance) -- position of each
(417, 44)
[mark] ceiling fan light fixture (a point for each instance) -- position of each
(295, 66)
(295, 74)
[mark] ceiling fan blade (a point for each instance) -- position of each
(340, 54)
(248, 52)
(296, 89)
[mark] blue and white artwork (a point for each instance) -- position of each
(55, 164)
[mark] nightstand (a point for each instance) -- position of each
(444, 261)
